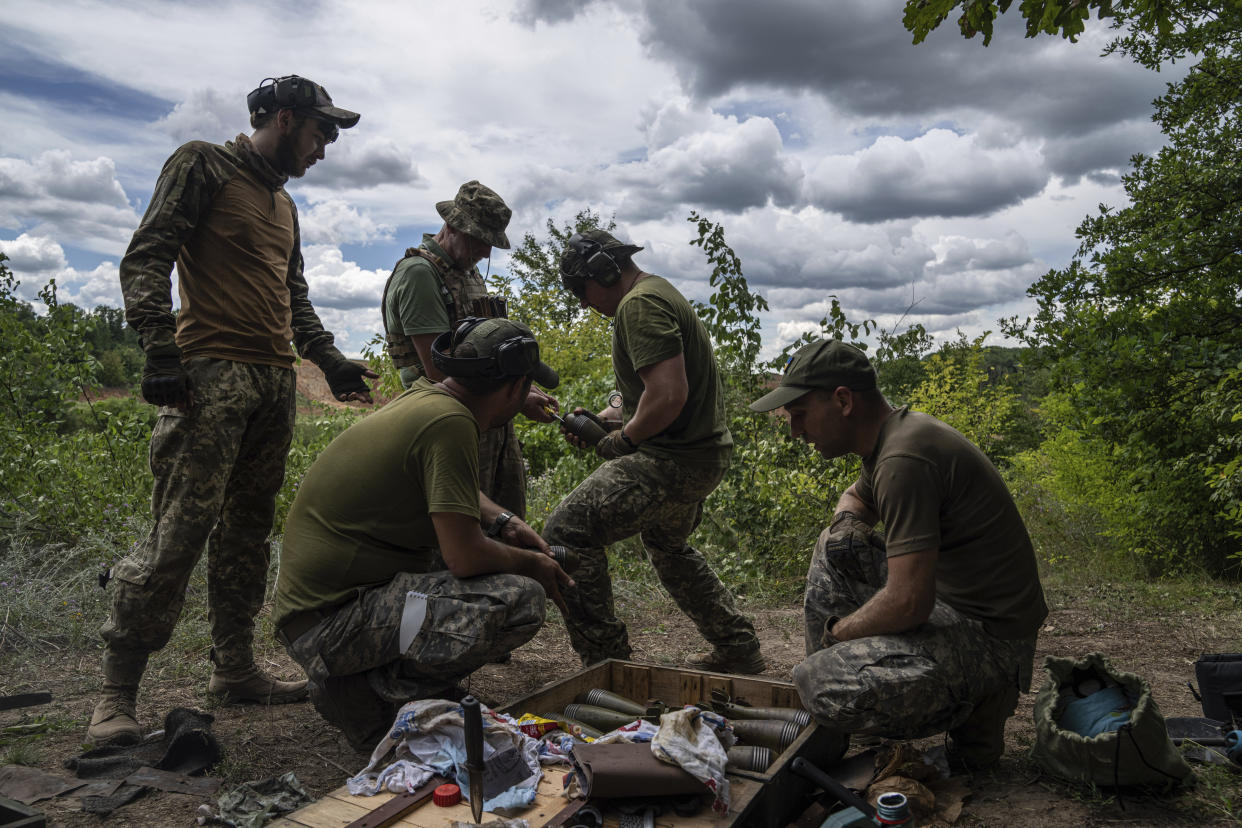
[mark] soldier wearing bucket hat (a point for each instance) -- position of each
(436, 285)
(948, 596)
(668, 450)
(222, 372)
(398, 577)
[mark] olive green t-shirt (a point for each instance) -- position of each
(933, 488)
(363, 511)
(654, 322)
(416, 301)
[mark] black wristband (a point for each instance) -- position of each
(627, 439)
(498, 524)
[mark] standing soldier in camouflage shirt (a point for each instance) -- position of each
(222, 373)
(390, 589)
(930, 626)
(668, 449)
(432, 288)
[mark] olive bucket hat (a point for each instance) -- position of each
(478, 211)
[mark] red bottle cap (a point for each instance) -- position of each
(446, 795)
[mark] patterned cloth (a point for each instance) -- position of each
(904, 686)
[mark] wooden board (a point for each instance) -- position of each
(771, 798)
(338, 809)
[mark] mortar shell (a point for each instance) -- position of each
(771, 733)
(599, 717)
(789, 714)
(750, 758)
(611, 701)
(572, 726)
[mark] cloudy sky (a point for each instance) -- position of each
(928, 183)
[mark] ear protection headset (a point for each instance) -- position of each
(516, 356)
(599, 264)
(275, 94)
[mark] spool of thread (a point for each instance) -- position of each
(892, 808)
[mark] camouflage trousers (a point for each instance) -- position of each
(661, 501)
(903, 686)
(217, 470)
(502, 473)
(358, 673)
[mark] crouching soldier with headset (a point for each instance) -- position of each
(398, 576)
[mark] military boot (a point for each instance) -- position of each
(115, 721)
(748, 660)
(250, 684)
(980, 741)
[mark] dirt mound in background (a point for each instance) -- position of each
(314, 387)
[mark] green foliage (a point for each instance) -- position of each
(956, 388)
(731, 314)
(1067, 18)
(57, 481)
(1144, 329)
(388, 385)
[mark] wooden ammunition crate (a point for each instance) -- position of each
(762, 800)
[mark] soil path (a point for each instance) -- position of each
(261, 742)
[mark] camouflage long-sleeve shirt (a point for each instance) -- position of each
(181, 208)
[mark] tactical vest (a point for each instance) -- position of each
(463, 292)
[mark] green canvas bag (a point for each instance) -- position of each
(1138, 752)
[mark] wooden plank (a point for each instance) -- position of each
(691, 690)
(331, 812)
(713, 681)
(633, 681)
(785, 696)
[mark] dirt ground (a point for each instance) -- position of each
(260, 742)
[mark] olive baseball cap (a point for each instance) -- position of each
(478, 211)
(510, 346)
(826, 364)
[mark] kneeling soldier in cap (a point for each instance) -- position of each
(668, 450)
(432, 288)
(398, 577)
(222, 373)
(929, 627)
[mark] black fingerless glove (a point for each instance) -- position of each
(345, 377)
(164, 380)
(615, 444)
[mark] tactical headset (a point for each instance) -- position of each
(599, 263)
(275, 94)
(516, 356)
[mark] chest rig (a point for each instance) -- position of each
(463, 292)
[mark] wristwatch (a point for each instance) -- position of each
(498, 524)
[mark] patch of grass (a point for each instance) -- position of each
(1217, 795)
(23, 753)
